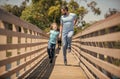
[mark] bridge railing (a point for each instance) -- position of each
(22, 46)
(98, 49)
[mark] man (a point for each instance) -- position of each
(67, 22)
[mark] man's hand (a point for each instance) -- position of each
(60, 35)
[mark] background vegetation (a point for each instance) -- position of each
(43, 12)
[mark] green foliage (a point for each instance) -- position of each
(80, 29)
(43, 12)
(7, 7)
(47, 30)
(77, 30)
(8, 54)
(111, 12)
(82, 11)
(54, 12)
(86, 26)
(15, 10)
(73, 6)
(93, 7)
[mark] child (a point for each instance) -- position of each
(52, 41)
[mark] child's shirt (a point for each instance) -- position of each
(53, 36)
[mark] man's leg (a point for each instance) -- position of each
(64, 41)
(69, 39)
(59, 43)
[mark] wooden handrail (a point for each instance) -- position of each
(99, 48)
(21, 41)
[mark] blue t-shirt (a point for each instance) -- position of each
(67, 21)
(53, 36)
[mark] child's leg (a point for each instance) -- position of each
(53, 50)
(49, 50)
(49, 54)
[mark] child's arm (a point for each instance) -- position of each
(48, 33)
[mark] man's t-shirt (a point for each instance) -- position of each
(53, 36)
(67, 21)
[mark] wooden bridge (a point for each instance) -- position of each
(23, 55)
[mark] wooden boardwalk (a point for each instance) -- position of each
(71, 71)
(57, 70)
(23, 51)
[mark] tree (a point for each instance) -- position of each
(73, 7)
(53, 12)
(93, 7)
(7, 7)
(15, 10)
(64, 3)
(82, 12)
(42, 13)
(111, 12)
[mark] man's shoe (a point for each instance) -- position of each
(69, 50)
(65, 62)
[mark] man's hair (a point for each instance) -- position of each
(65, 8)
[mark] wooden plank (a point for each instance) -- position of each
(87, 71)
(77, 35)
(7, 17)
(81, 65)
(94, 69)
(77, 56)
(109, 22)
(19, 34)
(16, 46)
(77, 50)
(12, 59)
(105, 51)
(105, 65)
(12, 71)
(28, 71)
(76, 44)
(103, 38)
(78, 39)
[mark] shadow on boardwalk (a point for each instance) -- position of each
(67, 65)
(44, 70)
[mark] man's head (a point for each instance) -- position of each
(64, 10)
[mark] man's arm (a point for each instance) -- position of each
(60, 34)
(75, 21)
(61, 28)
